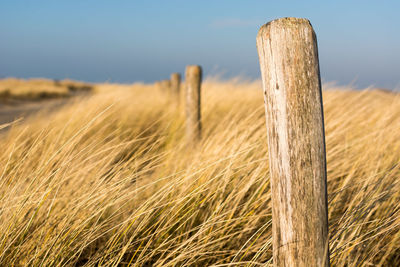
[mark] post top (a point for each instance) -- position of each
(287, 22)
(192, 66)
(175, 74)
(193, 69)
(290, 20)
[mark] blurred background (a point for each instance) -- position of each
(130, 41)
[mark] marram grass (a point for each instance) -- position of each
(109, 180)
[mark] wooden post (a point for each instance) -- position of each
(288, 55)
(176, 86)
(193, 78)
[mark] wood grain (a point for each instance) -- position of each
(289, 65)
(193, 79)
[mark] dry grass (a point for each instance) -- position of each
(34, 89)
(109, 181)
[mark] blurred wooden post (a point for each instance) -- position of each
(176, 86)
(193, 78)
(289, 65)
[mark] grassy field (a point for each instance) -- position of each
(36, 89)
(108, 180)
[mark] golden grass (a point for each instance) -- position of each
(108, 180)
(34, 89)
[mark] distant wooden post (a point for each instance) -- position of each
(289, 65)
(193, 78)
(176, 86)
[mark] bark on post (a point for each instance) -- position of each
(288, 55)
(193, 78)
(176, 86)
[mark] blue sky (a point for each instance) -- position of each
(127, 41)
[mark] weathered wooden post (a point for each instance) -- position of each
(176, 86)
(193, 78)
(288, 55)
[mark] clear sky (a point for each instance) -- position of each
(127, 41)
